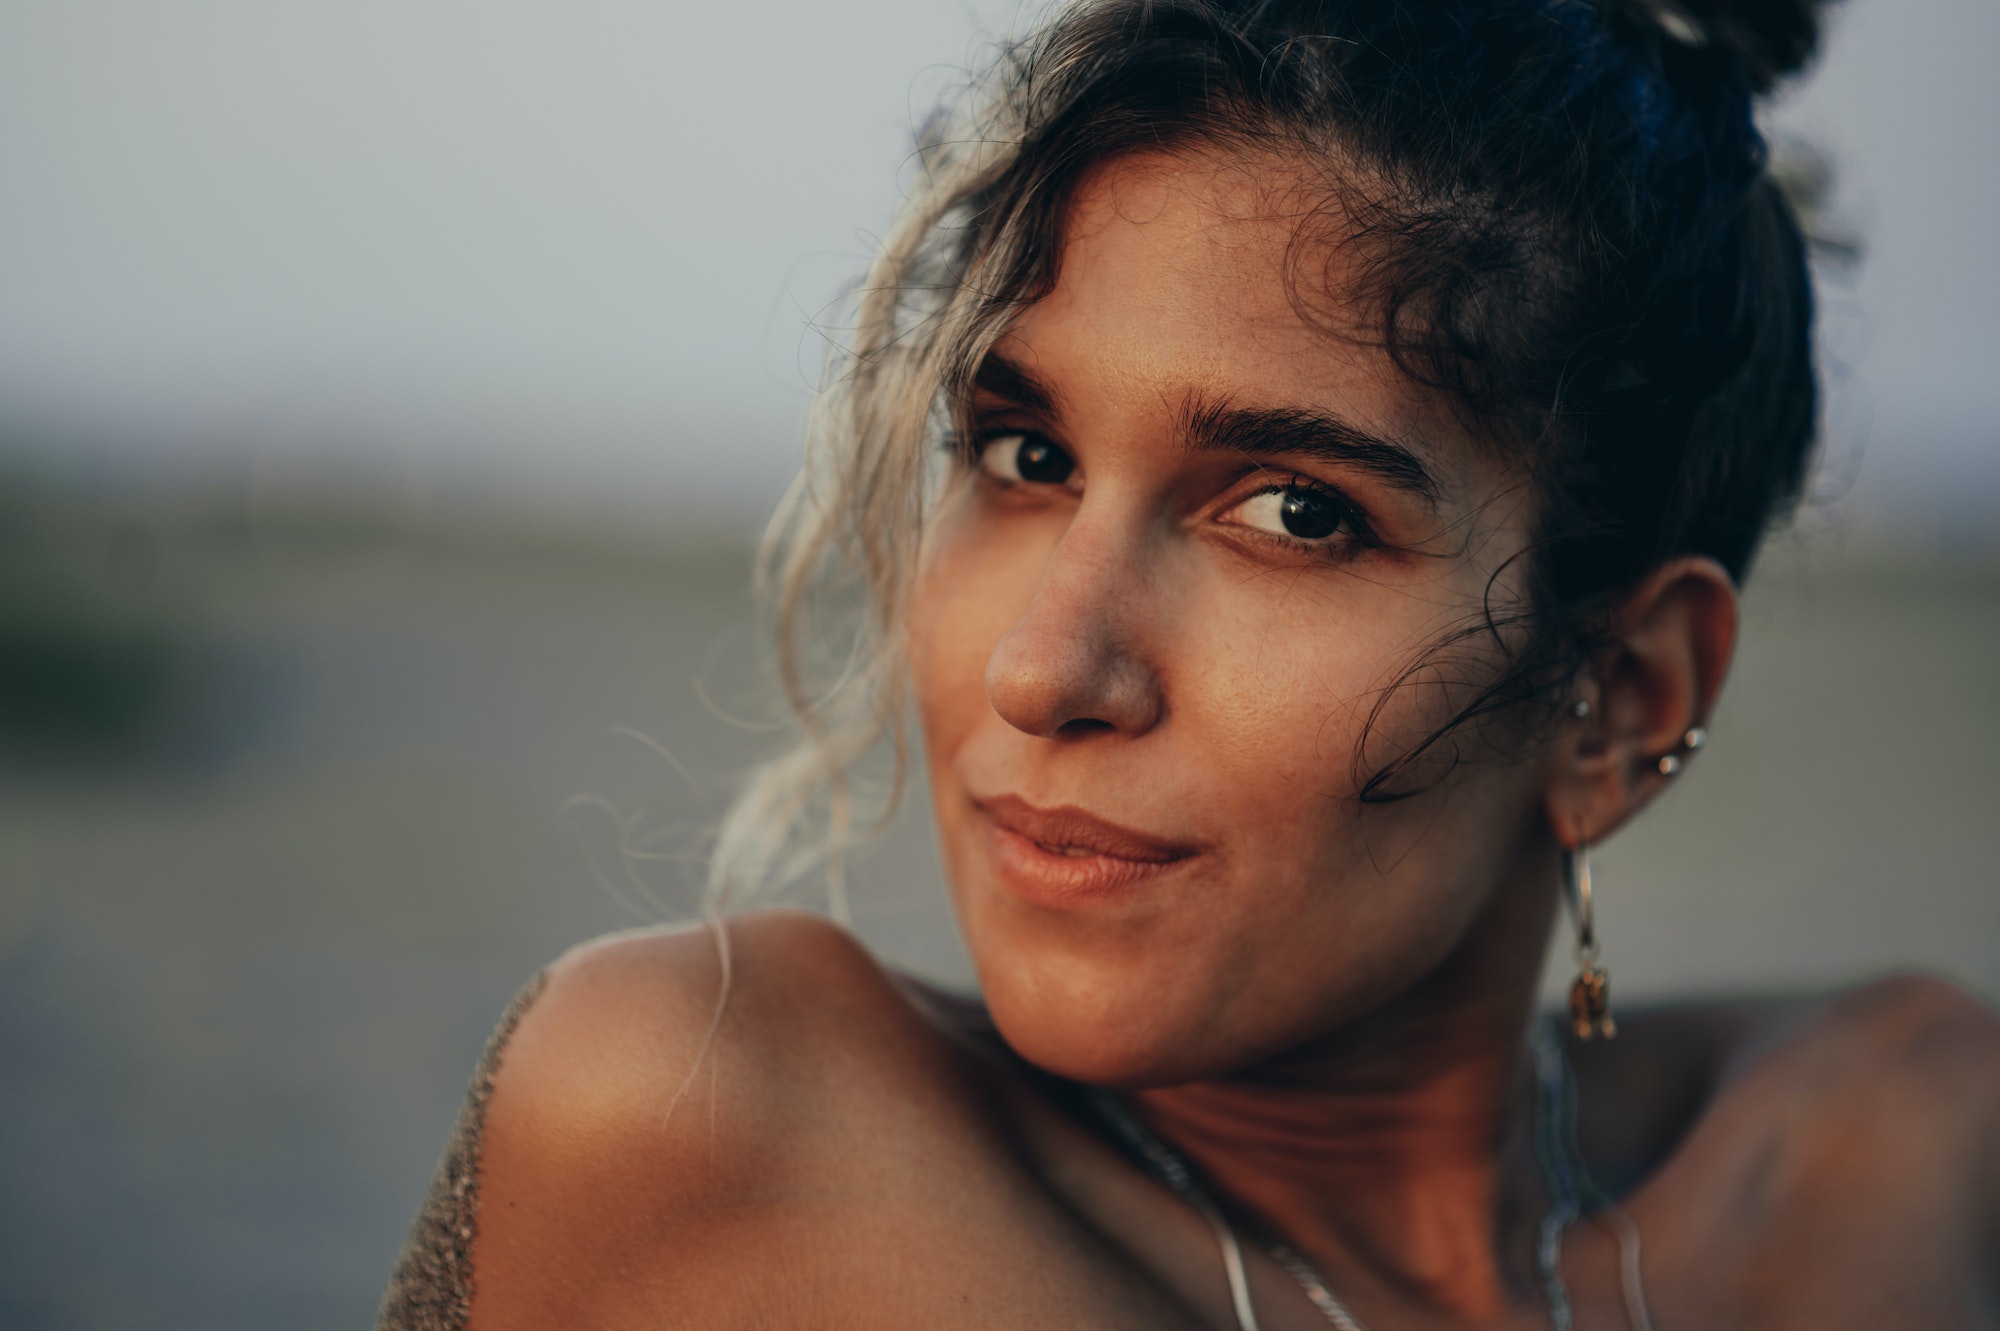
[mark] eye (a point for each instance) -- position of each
(1024, 456)
(1299, 512)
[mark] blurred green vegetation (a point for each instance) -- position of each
(88, 662)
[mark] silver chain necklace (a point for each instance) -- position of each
(1555, 1154)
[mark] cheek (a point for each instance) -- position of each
(1318, 681)
(1278, 680)
(1323, 904)
(1305, 698)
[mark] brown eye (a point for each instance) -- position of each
(1303, 513)
(1026, 458)
(1310, 515)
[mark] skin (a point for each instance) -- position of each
(1322, 1002)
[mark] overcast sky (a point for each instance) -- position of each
(585, 239)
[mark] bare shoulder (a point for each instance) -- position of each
(665, 1093)
(653, 1020)
(1910, 1055)
(1903, 1049)
(1857, 1136)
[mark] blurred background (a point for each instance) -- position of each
(389, 395)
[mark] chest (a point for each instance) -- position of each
(961, 1248)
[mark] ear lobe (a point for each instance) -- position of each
(1670, 647)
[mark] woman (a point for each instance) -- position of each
(1300, 459)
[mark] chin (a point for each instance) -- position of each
(1099, 1021)
(1097, 1052)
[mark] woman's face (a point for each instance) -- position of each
(1202, 537)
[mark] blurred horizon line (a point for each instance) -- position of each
(639, 483)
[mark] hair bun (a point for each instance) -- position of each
(1772, 38)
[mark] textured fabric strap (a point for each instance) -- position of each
(431, 1286)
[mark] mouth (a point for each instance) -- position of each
(1066, 856)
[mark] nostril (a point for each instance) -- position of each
(1068, 668)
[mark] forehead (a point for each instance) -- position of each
(1221, 275)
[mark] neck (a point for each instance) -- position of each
(1395, 1151)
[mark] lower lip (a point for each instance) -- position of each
(1043, 877)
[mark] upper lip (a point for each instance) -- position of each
(1067, 827)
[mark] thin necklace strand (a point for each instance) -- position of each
(1556, 1149)
(1555, 1153)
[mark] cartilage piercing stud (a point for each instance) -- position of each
(1669, 764)
(1696, 737)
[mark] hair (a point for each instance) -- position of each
(1571, 234)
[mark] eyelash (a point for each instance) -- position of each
(1360, 537)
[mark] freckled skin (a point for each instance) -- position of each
(1322, 1002)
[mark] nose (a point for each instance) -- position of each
(1073, 663)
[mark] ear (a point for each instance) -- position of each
(1670, 647)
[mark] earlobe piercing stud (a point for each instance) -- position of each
(1669, 764)
(1696, 737)
(1580, 709)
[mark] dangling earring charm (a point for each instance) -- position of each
(1590, 995)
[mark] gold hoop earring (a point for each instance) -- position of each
(1590, 995)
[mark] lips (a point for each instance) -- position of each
(1065, 856)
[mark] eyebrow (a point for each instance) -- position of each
(1259, 432)
(1004, 378)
